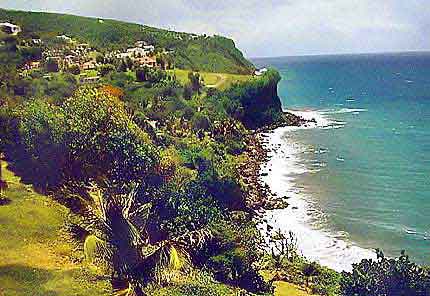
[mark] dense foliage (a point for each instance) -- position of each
(386, 276)
(100, 142)
(150, 167)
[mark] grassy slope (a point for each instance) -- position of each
(34, 258)
(218, 80)
(288, 289)
(214, 54)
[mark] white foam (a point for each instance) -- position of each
(343, 111)
(303, 216)
(321, 118)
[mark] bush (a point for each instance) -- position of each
(200, 122)
(397, 276)
(141, 74)
(106, 69)
(255, 102)
(89, 136)
(74, 69)
(52, 65)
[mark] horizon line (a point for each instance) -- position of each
(342, 54)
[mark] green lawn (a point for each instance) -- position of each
(35, 259)
(218, 80)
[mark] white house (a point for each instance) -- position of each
(65, 38)
(260, 72)
(9, 28)
(136, 52)
(140, 43)
(148, 48)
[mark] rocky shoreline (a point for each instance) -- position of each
(259, 195)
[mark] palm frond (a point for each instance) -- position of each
(94, 248)
(194, 239)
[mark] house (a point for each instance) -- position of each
(82, 46)
(140, 43)
(36, 41)
(146, 61)
(93, 79)
(136, 52)
(124, 55)
(65, 38)
(88, 66)
(34, 65)
(10, 29)
(260, 72)
(148, 48)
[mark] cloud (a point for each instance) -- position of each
(272, 28)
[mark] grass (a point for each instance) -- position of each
(218, 80)
(288, 289)
(35, 259)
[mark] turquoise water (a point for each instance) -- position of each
(372, 167)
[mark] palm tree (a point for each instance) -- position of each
(3, 183)
(118, 236)
(310, 270)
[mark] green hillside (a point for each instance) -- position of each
(212, 54)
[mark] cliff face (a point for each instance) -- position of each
(259, 100)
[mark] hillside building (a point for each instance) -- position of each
(10, 29)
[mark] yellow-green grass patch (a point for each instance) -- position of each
(218, 80)
(35, 259)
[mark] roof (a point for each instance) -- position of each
(8, 25)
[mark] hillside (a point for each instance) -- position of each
(190, 51)
(36, 259)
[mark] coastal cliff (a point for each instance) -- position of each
(259, 100)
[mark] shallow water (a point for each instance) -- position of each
(361, 179)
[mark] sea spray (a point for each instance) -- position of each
(303, 216)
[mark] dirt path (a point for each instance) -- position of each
(221, 79)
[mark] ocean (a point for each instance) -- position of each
(360, 178)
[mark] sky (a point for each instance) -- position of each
(263, 28)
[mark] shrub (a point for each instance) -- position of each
(200, 122)
(89, 136)
(52, 65)
(74, 69)
(106, 69)
(397, 276)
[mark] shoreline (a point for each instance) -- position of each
(275, 164)
(260, 197)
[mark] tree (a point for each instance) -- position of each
(122, 66)
(53, 142)
(3, 183)
(195, 82)
(161, 61)
(117, 234)
(310, 270)
(396, 276)
(100, 59)
(52, 65)
(141, 74)
(74, 69)
(106, 69)
(188, 92)
(282, 247)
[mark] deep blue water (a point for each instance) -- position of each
(373, 179)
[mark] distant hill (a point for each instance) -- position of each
(190, 51)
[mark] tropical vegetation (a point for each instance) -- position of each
(137, 178)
